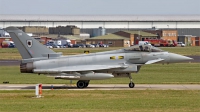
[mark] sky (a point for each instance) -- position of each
(101, 7)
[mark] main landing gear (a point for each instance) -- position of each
(131, 84)
(82, 83)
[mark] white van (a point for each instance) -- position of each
(144, 43)
(180, 44)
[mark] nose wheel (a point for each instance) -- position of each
(131, 84)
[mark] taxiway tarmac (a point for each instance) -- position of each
(103, 87)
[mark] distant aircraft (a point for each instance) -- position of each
(38, 59)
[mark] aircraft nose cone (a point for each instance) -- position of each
(178, 58)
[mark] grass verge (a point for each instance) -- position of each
(101, 101)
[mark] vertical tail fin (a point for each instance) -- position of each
(26, 45)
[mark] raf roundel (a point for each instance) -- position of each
(29, 43)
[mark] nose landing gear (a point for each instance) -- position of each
(131, 84)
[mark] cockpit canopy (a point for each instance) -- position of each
(143, 48)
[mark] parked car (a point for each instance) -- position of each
(79, 45)
(65, 45)
(12, 45)
(90, 45)
(107, 45)
(55, 46)
(180, 44)
(48, 46)
(7, 44)
(103, 45)
(96, 45)
(68, 45)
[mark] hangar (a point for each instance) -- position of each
(186, 25)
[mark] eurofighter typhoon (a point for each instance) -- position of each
(38, 59)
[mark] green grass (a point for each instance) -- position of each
(183, 50)
(183, 73)
(12, 53)
(101, 101)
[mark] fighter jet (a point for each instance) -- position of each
(38, 59)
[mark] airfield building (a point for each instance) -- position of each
(185, 25)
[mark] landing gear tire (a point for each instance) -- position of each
(80, 84)
(131, 85)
